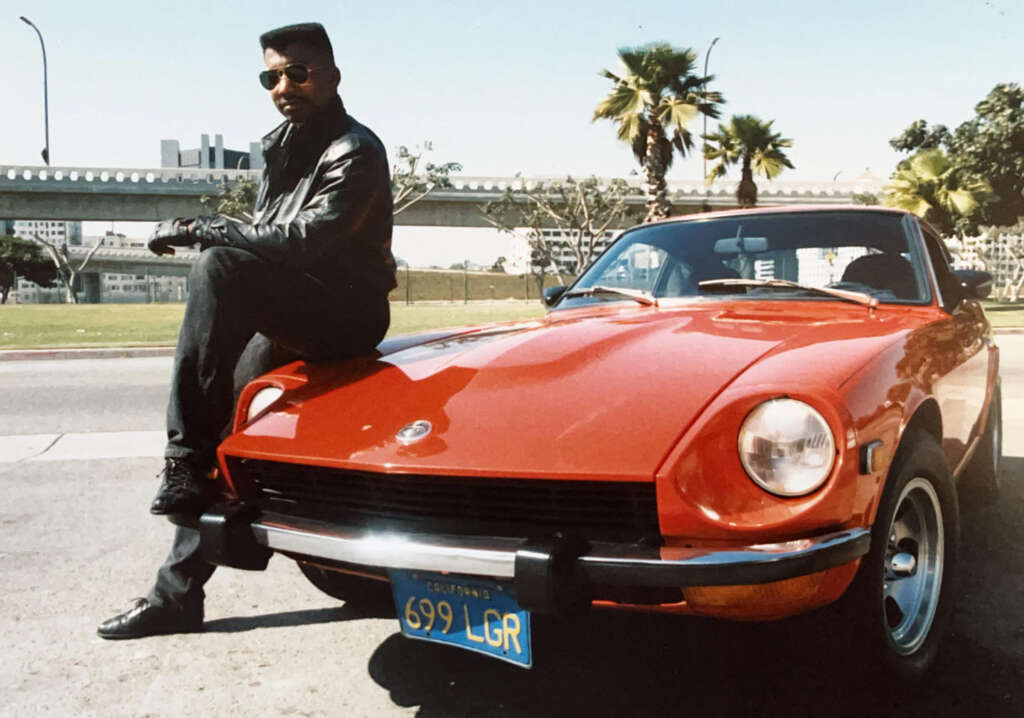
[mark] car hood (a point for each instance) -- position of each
(596, 393)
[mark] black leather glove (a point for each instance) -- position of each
(169, 234)
(207, 229)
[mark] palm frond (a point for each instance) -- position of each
(629, 127)
(682, 140)
(676, 113)
(717, 170)
(930, 164)
(964, 200)
(770, 161)
(892, 197)
(623, 100)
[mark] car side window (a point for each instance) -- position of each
(949, 286)
(637, 268)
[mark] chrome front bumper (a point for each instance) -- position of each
(227, 534)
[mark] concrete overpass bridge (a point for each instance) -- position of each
(141, 194)
(153, 194)
(125, 260)
(137, 261)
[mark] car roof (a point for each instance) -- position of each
(790, 209)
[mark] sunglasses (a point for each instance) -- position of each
(296, 73)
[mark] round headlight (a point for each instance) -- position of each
(261, 400)
(786, 447)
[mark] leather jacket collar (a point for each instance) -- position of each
(327, 124)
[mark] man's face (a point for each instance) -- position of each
(298, 101)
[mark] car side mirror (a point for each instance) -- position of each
(553, 294)
(974, 282)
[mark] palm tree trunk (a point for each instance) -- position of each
(658, 206)
(746, 193)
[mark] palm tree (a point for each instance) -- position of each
(653, 102)
(929, 186)
(749, 141)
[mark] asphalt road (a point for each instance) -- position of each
(77, 544)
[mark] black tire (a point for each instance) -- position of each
(898, 618)
(355, 590)
(979, 484)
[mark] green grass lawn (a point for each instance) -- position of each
(35, 326)
(1005, 315)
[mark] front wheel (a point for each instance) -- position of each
(901, 601)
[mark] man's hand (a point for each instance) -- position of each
(169, 234)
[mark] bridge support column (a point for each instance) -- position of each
(91, 289)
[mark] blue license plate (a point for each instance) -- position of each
(471, 613)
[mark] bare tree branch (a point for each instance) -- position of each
(62, 262)
(410, 184)
(571, 207)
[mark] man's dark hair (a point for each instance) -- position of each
(307, 33)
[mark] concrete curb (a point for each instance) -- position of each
(91, 353)
(133, 352)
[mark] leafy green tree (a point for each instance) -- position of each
(918, 136)
(235, 199)
(930, 186)
(988, 147)
(24, 258)
(865, 198)
(653, 102)
(748, 141)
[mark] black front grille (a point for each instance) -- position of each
(598, 510)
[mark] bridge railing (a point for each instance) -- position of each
(139, 255)
(682, 188)
(121, 175)
(65, 178)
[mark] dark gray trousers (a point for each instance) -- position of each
(244, 317)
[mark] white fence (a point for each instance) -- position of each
(999, 252)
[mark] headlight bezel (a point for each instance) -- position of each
(774, 486)
(261, 400)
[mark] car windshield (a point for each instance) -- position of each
(870, 253)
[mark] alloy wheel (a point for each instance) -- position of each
(913, 566)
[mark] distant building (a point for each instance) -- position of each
(137, 288)
(54, 231)
(210, 157)
(523, 256)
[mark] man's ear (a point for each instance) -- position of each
(335, 76)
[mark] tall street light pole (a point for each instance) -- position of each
(704, 88)
(46, 94)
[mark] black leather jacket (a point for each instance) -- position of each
(324, 205)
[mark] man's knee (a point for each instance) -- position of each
(218, 263)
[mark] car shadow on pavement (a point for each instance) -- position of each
(617, 663)
(307, 617)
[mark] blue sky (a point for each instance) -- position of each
(500, 87)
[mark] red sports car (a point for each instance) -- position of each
(743, 414)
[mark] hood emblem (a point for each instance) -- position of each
(411, 433)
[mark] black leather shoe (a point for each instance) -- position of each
(185, 489)
(145, 619)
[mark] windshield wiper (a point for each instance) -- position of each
(847, 296)
(637, 295)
